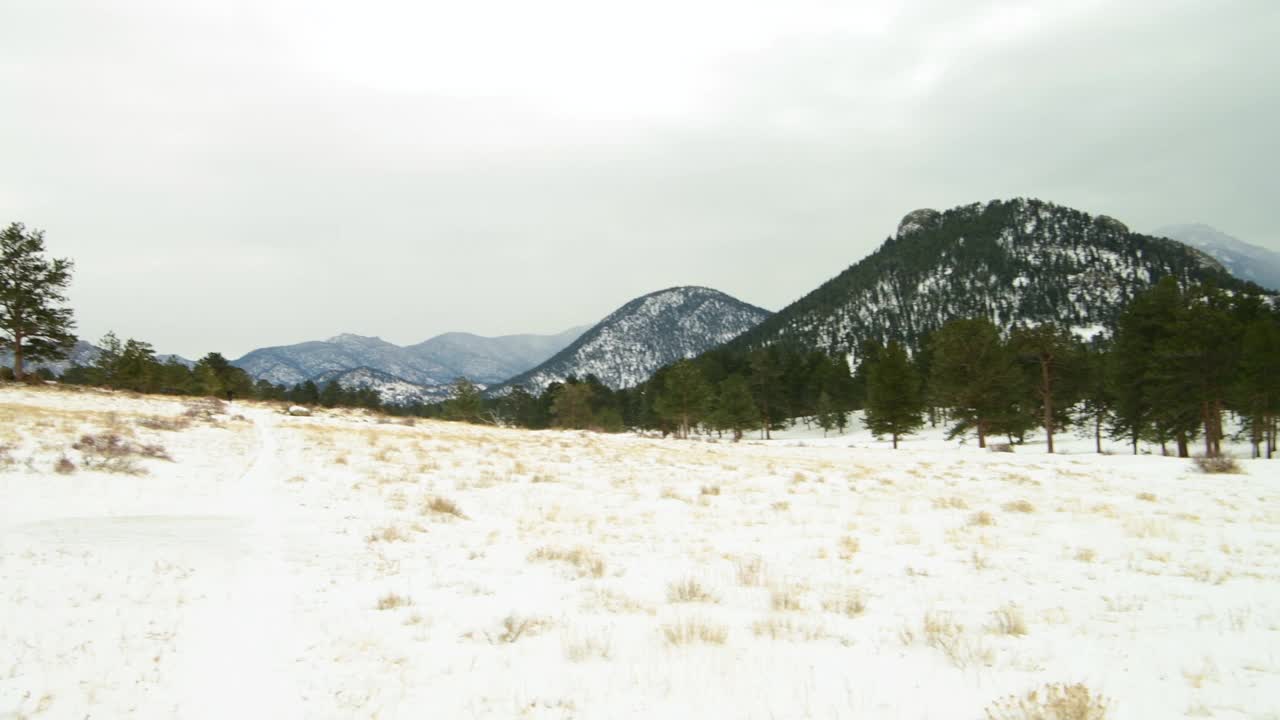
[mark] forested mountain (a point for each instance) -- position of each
(645, 334)
(1247, 262)
(1013, 262)
(433, 363)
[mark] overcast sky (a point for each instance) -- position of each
(230, 174)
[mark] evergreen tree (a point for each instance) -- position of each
(895, 402)
(766, 379)
(684, 397)
(975, 376)
(1054, 355)
(466, 404)
(34, 325)
(571, 406)
(735, 410)
(826, 413)
(1256, 391)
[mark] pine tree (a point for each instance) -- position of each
(735, 410)
(34, 325)
(895, 403)
(974, 375)
(1054, 355)
(684, 397)
(465, 404)
(766, 381)
(826, 413)
(571, 406)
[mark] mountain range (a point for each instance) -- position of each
(645, 334)
(356, 361)
(1015, 262)
(1247, 262)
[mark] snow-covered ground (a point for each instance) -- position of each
(338, 567)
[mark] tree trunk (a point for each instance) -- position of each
(982, 433)
(1208, 428)
(1046, 388)
(1097, 432)
(1183, 450)
(17, 355)
(895, 441)
(1164, 447)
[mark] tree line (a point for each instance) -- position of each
(1177, 360)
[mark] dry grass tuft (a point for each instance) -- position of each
(586, 562)
(1146, 497)
(849, 546)
(982, 518)
(710, 490)
(165, 424)
(1218, 465)
(391, 601)
(689, 590)
(1008, 620)
(1019, 506)
(750, 571)
(785, 598)
(64, 466)
(1086, 555)
(1053, 702)
(941, 632)
(950, 503)
(848, 602)
(388, 534)
(437, 505)
(515, 627)
(694, 630)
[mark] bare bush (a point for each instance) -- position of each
(1019, 506)
(1218, 465)
(64, 466)
(1053, 702)
(165, 424)
(109, 452)
(1008, 620)
(391, 601)
(1001, 447)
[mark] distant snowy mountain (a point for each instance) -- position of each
(1247, 262)
(419, 371)
(1016, 261)
(82, 353)
(391, 389)
(645, 334)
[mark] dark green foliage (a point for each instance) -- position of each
(34, 325)
(895, 401)
(735, 411)
(571, 405)
(684, 397)
(1018, 262)
(975, 376)
(1052, 360)
(466, 404)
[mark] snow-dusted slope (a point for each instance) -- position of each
(1019, 261)
(82, 353)
(651, 331)
(1247, 262)
(391, 390)
(429, 364)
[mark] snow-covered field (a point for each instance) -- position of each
(342, 567)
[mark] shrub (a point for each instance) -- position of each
(64, 466)
(1001, 447)
(1053, 702)
(1009, 621)
(585, 561)
(1218, 465)
(442, 506)
(172, 424)
(1021, 506)
(109, 452)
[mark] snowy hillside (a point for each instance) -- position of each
(82, 353)
(430, 364)
(233, 562)
(1020, 261)
(391, 389)
(645, 334)
(1247, 262)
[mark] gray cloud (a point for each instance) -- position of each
(233, 175)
